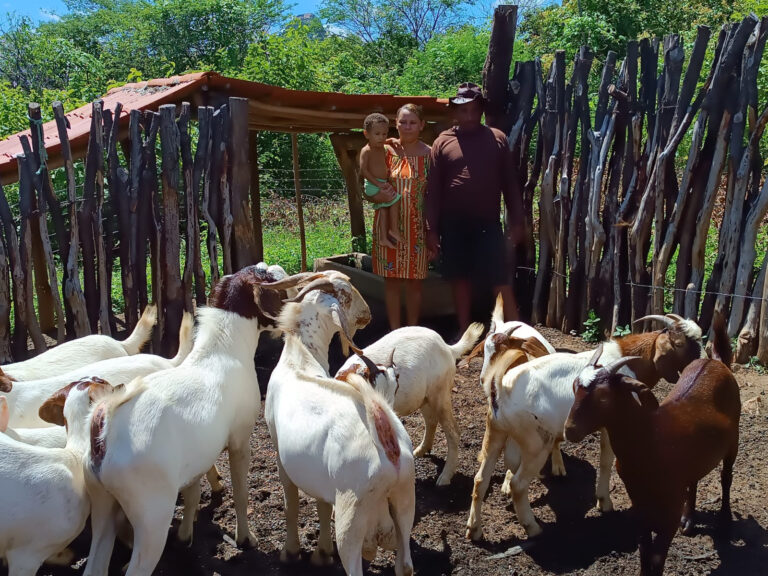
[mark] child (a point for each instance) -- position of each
(373, 165)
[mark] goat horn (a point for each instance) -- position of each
(391, 361)
(619, 363)
(373, 370)
(596, 355)
(341, 322)
(508, 332)
(663, 319)
(675, 317)
(292, 281)
(322, 284)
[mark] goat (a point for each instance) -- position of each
(161, 437)
(42, 490)
(532, 403)
(663, 450)
(26, 396)
(426, 368)
(339, 442)
(69, 356)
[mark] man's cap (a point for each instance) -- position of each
(467, 92)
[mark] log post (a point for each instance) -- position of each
(255, 193)
(749, 337)
(73, 292)
(187, 169)
(220, 192)
(497, 65)
(18, 281)
(299, 207)
(150, 220)
(243, 248)
(5, 308)
(347, 160)
(204, 162)
(26, 199)
(170, 245)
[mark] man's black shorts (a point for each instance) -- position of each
(473, 251)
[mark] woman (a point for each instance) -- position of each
(404, 266)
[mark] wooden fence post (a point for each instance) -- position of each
(204, 162)
(347, 160)
(255, 193)
(18, 281)
(299, 206)
(170, 244)
(5, 308)
(496, 68)
(243, 249)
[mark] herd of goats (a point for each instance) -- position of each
(94, 428)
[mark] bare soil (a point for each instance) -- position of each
(577, 538)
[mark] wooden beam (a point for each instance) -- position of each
(299, 207)
(243, 250)
(496, 68)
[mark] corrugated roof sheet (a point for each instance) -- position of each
(272, 108)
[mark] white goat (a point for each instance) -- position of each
(426, 367)
(338, 441)
(27, 396)
(74, 354)
(161, 438)
(42, 490)
(529, 405)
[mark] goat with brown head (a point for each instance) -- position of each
(663, 450)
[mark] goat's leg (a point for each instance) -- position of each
(323, 554)
(511, 463)
(63, 557)
(646, 550)
(660, 546)
(603, 490)
(402, 509)
(493, 443)
(239, 462)
(351, 529)
(291, 549)
(150, 518)
(726, 479)
(430, 426)
(26, 562)
(558, 466)
(451, 430)
(214, 479)
(104, 515)
(531, 462)
(689, 510)
(191, 496)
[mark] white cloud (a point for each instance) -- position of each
(46, 15)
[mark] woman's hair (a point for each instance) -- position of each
(414, 108)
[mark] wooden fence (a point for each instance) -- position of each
(622, 227)
(143, 218)
(613, 221)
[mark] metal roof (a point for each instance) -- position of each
(271, 108)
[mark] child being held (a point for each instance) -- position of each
(373, 166)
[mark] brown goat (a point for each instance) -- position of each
(663, 450)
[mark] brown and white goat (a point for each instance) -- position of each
(529, 404)
(663, 450)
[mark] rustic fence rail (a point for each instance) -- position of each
(617, 209)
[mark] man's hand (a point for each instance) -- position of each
(433, 244)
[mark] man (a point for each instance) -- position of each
(469, 173)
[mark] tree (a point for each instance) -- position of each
(371, 20)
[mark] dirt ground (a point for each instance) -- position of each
(577, 538)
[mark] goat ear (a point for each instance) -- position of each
(497, 316)
(476, 351)
(6, 384)
(532, 347)
(52, 410)
(4, 416)
(664, 357)
(641, 393)
(340, 320)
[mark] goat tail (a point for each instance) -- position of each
(100, 417)
(721, 344)
(142, 332)
(467, 341)
(186, 339)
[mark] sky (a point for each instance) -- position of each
(43, 10)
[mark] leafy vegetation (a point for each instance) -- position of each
(592, 332)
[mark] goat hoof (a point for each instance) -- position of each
(558, 470)
(506, 487)
(420, 452)
(686, 525)
(185, 536)
(605, 504)
(444, 479)
(533, 529)
(474, 533)
(288, 557)
(249, 541)
(62, 558)
(321, 558)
